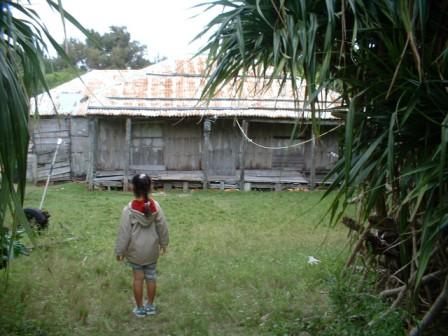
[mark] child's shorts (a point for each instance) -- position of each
(149, 270)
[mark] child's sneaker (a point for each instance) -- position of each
(150, 309)
(139, 311)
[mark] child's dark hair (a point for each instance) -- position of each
(142, 185)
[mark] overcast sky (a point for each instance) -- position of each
(164, 26)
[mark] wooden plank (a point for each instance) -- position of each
(104, 173)
(313, 161)
(205, 152)
(43, 125)
(242, 155)
(59, 178)
(93, 134)
(297, 179)
(79, 127)
(109, 178)
(43, 173)
(48, 157)
(79, 144)
(183, 146)
(148, 167)
(49, 131)
(224, 148)
(56, 165)
(69, 120)
(111, 146)
(31, 171)
(80, 163)
(51, 141)
(127, 154)
(51, 134)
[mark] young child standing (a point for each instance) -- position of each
(143, 233)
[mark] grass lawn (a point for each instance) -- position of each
(236, 265)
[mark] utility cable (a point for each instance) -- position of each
(283, 147)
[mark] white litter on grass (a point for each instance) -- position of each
(312, 260)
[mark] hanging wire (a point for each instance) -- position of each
(283, 147)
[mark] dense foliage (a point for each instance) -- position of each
(112, 50)
(388, 59)
(23, 39)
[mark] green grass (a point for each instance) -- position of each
(236, 265)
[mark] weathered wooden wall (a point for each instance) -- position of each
(157, 144)
(147, 145)
(79, 130)
(44, 136)
(274, 135)
(224, 148)
(325, 145)
(183, 145)
(111, 149)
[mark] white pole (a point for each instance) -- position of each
(49, 174)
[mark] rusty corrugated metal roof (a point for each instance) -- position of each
(172, 89)
(73, 97)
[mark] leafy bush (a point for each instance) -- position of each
(11, 247)
(353, 305)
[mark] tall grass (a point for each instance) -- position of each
(237, 265)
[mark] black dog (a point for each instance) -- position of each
(40, 217)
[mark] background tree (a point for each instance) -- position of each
(388, 59)
(112, 50)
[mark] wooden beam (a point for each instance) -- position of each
(93, 139)
(205, 152)
(243, 145)
(127, 160)
(313, 161)
(294, 121)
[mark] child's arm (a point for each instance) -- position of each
(162, 229)
(123, 236)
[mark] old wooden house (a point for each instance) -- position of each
(115, 123)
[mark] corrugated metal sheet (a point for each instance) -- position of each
(172, 89)
(171, 113)
(73, 97)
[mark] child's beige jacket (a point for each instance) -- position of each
(139, 236)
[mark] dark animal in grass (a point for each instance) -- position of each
(37, 218)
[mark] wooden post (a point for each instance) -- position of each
(243, 153)
(313, 160)
(127, 159)
(32, 131)
(70, 154)
(185, 187)
(205, 153)
(167, 186)
(93, 138)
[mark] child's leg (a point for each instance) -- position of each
(150, 277)
(138, 287)
(151, 291)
